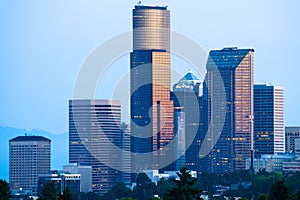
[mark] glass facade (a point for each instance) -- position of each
(151, 108)
(235, 66)
(89, 122)
(268, 120)
(185, 96)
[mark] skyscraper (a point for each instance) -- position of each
(268, 119)
(235, 67)
(151, 108)
(29, 157)
(93, 126)
(186, 95)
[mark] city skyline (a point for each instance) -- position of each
(271, 27)
(154, 115)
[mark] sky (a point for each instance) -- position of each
(43, 45)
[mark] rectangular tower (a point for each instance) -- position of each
(29, 157)
(268, 119)
(230, 69)
(151, 108)
(95, 136)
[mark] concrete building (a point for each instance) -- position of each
(94, 132)
(62, 181)
(85, 175)
(29, 156)
(291, 134)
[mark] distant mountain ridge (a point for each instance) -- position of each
(59, 147)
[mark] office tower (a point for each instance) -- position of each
(29, 156)
(231, 69)
(94, 131)
(268, 119)
(186, 96)
(85, 175)
(62, 180)
(291, 134)
(151, 108)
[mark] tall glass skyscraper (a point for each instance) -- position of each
(268, 119)
(235, 67)
(93, 126)
(29, 157)
(151, 108)
(186, 96)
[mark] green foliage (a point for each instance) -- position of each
(279, 191)
(118, 191)
(144, 188)
(184, 189)
(49, 191)
(66, 195)
(89, 196)
(163, 186)
(5, 193)
(262, 197)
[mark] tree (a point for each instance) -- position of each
(279, 191)
(262, 197)
(163, 186)
(184, 189)
(66, 195)
(118, 191)
(298, 195)
(5, 193)
(49, 191)
(144, 187)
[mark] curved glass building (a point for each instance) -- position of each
(151, 108)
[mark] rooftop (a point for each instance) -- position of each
(29, 138)
(151, 7)
(229, 57)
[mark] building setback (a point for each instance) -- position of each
(268, 119)
(94, 130)
(151, 108)
(231, 69)
(29, 156)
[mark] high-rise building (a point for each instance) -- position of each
(151, 108)
(94, 130)
(29, 156)
(291, 134)
(231, 69)
(186, 96)
(268, 119)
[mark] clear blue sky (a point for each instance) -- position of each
(44, 43)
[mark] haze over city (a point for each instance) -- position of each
(45, 44)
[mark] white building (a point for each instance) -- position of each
(84, 171)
